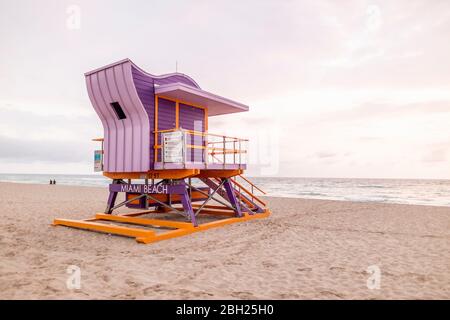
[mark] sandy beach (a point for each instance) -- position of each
(307, 249)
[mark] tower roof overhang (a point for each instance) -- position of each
(215, 104)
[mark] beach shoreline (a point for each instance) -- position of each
(307, 249)
(426, 192)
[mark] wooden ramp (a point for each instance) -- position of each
(167, 229)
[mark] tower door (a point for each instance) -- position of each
(193, 118)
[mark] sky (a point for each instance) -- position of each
(357, 89)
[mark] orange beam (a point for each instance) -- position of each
(194, 205)
(165, 235)
(199, 133)
(206, 120)
(182, 101)
(201, 227)
(156, 128)
(226, 151)
(154, 174)
(177, 115)
(123, 231)
(148, 236)
(220, 173)
(192, 146)
(227, 213)
(144, 221)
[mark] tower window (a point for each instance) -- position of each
(118, 110)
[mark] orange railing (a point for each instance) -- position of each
(249, 193)
(216, 148)
(252, 185)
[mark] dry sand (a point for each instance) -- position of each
(307, 249)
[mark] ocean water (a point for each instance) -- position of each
(403, 191)
(92, 180)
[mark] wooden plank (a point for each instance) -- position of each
(208, 173)
(227, 213)
(101, 227)
(201, 227)
(144, 221)
(148, 236)
(166, 235)
(154, 174)
(208, 206)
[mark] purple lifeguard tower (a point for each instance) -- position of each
(156, 133)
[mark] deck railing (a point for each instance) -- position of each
(216, 149)
(203, 148)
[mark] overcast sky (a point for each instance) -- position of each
(335, 88)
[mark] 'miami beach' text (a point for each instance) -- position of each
(144, 188)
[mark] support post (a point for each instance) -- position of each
(187, 206)
(144, 200)
(224, 158)
(111, 199)
(232, 196)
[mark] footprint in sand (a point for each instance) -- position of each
(232, 263)
(304, 269)
(131, 283)
(417, 276)
(268, 265)
(105, 277)
(242, 295)
(331, 293)
(10, 254)
(51, 289)
(153, 289)
(337, 268)
(168, 258)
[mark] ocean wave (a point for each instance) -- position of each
(372, 186)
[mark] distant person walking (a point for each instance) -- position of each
(54, 181)
(51, 181)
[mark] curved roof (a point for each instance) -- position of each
(180, 86)
(160, 77)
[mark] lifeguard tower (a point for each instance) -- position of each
(159, 153)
